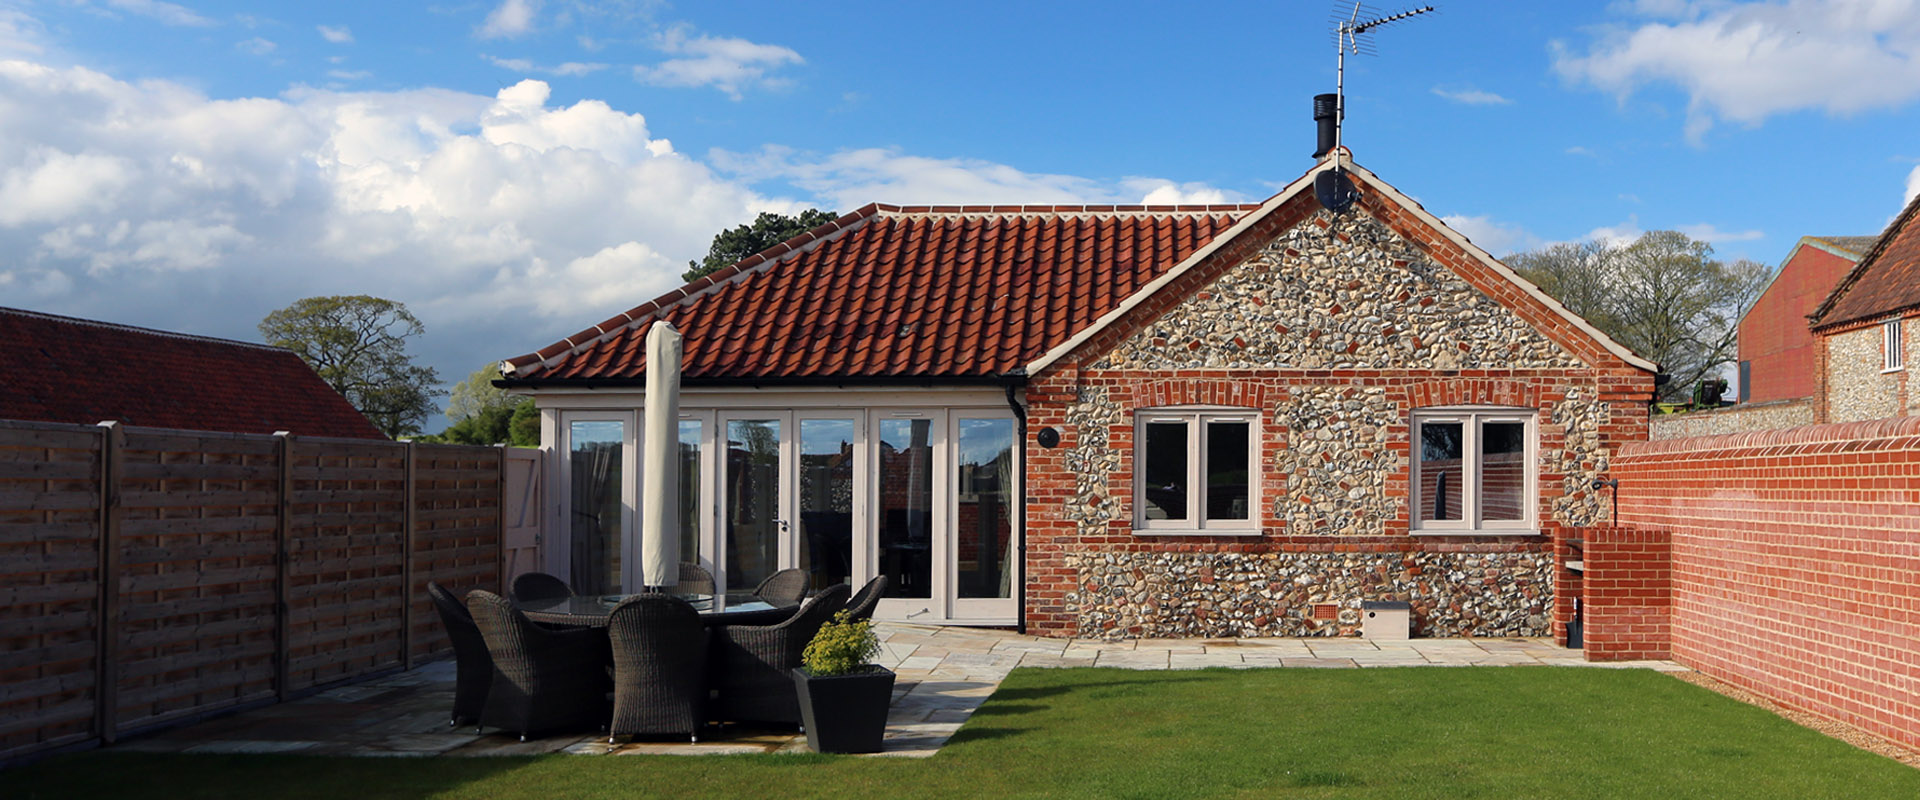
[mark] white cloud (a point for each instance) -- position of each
(1577, 150)
(1158, 191)
(19, 33)
(1472, 96)
(730, 65)
(1711, 234)
(1619, 235)
(525, 66)
(349, 74)
(165, 13)
(1913, 185)
(504, 222)
(1495, 237)
(256, 46)
(510, 19)
(335, 34)
(1747, 62)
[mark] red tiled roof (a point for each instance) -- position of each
(61, 369)
(890, 292)
(1886, 280)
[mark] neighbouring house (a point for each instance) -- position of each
(1112, 421)
(1863, 330)
(1777, 351)
(62, 369)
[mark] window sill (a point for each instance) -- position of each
(1893, 370)
(1486, 532)
(1197, 532)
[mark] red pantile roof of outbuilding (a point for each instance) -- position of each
(1887, 279)
(893, 292)
(62, 369)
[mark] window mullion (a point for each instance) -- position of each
(1196, 472)
(1470, 472)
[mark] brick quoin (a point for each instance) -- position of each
(1795, 563)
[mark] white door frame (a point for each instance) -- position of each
(560, 550)
(786, 482)
(981, 609)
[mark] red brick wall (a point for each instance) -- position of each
(1774, 334)
(1796, 562)
(1626, 592)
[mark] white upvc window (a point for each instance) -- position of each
(1473, 470)
(1892, 346)
(1193, 471)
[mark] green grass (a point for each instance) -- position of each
(1518, 732)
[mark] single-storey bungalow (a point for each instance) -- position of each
(1207, 420)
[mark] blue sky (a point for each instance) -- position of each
(515, 170)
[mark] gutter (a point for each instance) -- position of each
(1016, 379)
(927, 381)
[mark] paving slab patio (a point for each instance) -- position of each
(943, 675)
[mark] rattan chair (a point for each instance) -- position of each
(751, 663)
(543, 679)
(539, 586)
(784, 588)
(473, 668)
(864, 601)
(659, 667)
(694, 579)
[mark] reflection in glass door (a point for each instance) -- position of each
(596, 456)
(690, 474)
(751, 512)
(983, 519)
(828, 459)
(905, 512)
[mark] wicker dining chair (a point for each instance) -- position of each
(659, 667)
(473, 668)
(539, 586)
(783, 589)
(694, 579)
(864, 601)
(751, 663)
(543, 679)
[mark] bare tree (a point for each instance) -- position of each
(1664, 297)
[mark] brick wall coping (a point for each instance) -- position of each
(1833, 433)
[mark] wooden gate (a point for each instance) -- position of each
(520, 545)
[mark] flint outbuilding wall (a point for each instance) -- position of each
(1795, 562)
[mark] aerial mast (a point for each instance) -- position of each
(1330, 111)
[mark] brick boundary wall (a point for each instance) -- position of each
(1796, 563)
(1626, 593)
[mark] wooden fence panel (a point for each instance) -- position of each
(346, 559)
(456, 541)
(150, 576)
(50, 492)
(197, 563)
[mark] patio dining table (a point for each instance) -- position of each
(592, 610)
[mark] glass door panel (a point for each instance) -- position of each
(984, 560)
(752, 521)
(690, 512)
(596, 460)
(905, 509)
(827, 466)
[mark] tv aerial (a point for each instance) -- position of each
(1350, 28)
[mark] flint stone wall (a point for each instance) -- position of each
(1175, 595)
(1340, 291)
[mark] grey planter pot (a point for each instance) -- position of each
(845, 713)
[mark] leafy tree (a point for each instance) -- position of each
(358, 344)
(741, 241)
(523, 429)
(477, 394)
(1664, 297)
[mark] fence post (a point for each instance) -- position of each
(113, 440)
(283, 564)
(500, 523)
(406, 565)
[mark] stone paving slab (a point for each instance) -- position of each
(942, 676)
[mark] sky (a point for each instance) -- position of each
(518, 170)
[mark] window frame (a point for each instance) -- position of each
(1196, 419)
(1472, 521)
(1893, 355)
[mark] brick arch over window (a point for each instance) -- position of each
(1204, 392)
(1474, 392)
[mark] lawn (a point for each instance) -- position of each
(1101, 733)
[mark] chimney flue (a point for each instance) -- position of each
(1326, 116)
